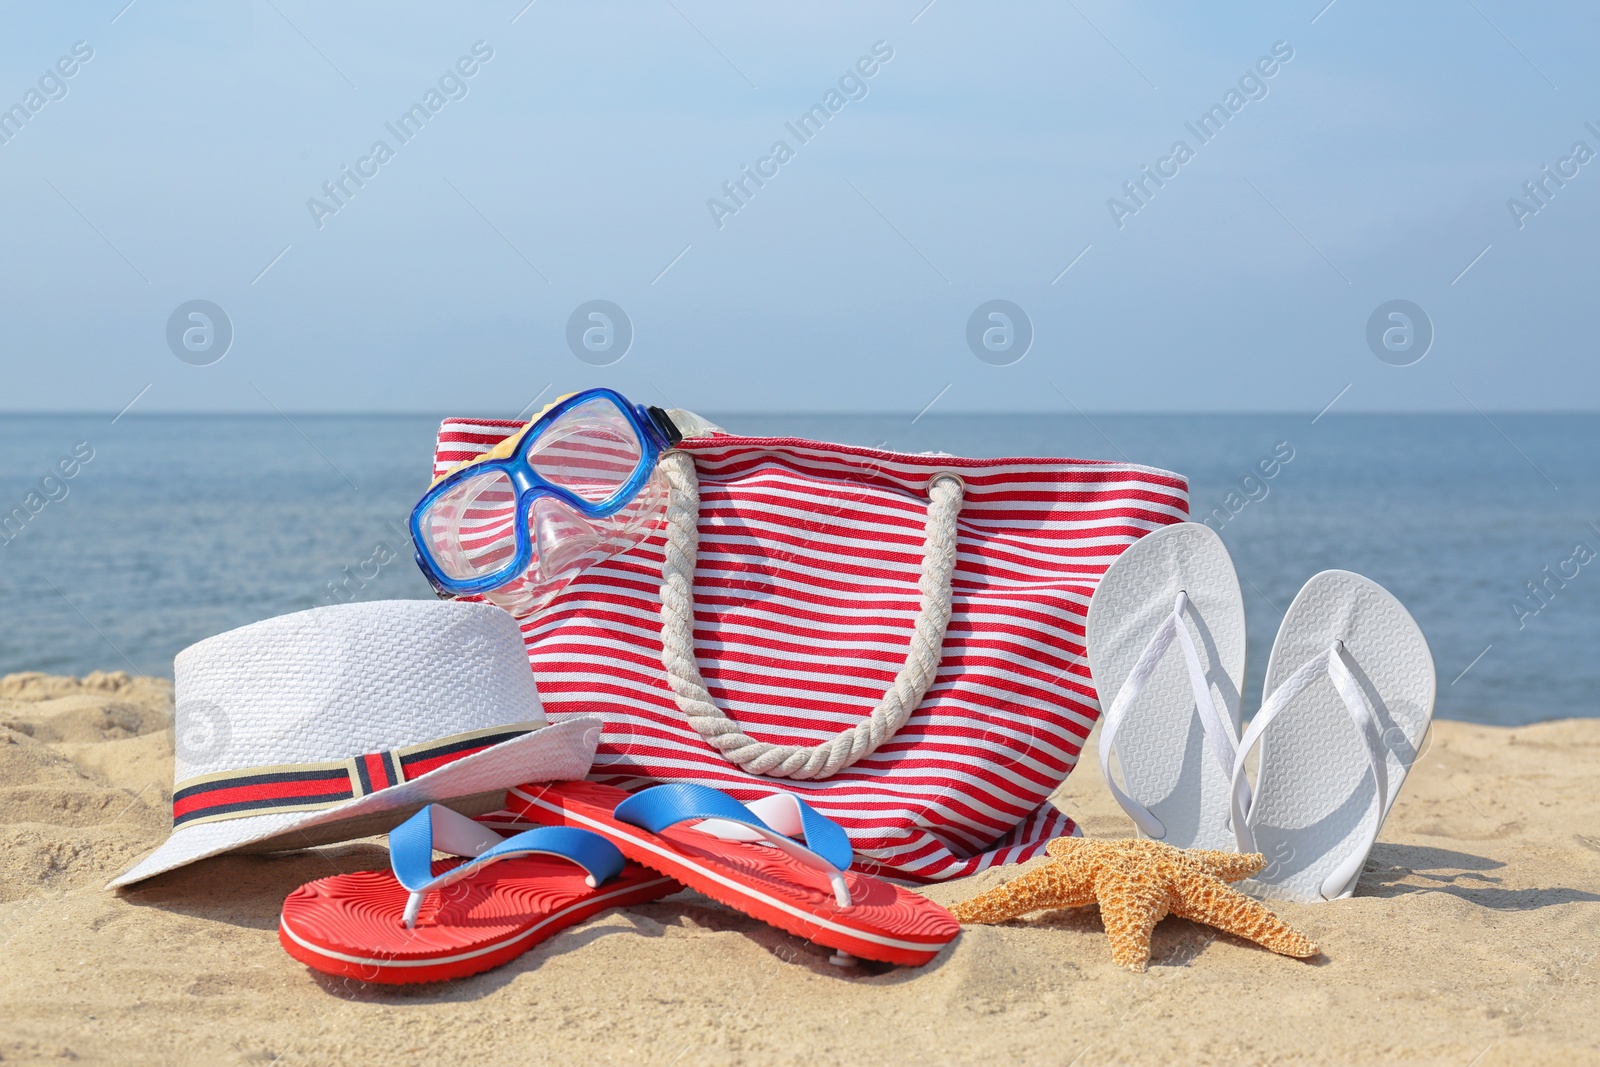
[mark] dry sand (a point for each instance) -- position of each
(1473, 940)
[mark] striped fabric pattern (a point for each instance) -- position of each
(315, 786)
(806, 590)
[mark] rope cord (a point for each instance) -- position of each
(683, 670)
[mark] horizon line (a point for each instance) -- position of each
(765, 413)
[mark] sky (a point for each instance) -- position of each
(952, 231)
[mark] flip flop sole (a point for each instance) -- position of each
(885, 922)
(1161, 745)
(1315, 794)
(351, 925)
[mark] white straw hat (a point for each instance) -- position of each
(340, 722)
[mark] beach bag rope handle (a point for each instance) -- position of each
(683, 670)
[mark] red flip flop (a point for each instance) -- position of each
(426, 921)
(747, 858)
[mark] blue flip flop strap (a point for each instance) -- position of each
(661, 806)
(825, 837)
(411, 852)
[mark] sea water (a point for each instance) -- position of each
(173, 528)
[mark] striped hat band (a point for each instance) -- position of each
(314, 786)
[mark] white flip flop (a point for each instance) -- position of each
(1351, 689)
(1171, 714)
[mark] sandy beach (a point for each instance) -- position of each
(1474, 938)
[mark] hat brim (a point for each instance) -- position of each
(562, 751)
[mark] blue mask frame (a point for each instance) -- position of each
(656, 434)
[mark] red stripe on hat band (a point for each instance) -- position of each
(417, 766)
(377, 771)
(187, 806)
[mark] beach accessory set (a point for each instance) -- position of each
(896, 638)
(770, 656)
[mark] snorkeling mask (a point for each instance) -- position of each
(579, 484)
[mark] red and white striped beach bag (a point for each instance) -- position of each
(898, 638)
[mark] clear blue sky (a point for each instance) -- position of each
(976, 163)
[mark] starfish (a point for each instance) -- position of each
(1137, 883)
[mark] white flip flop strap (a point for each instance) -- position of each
(1362, 716)
(1221, 737)
(1218, 727)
